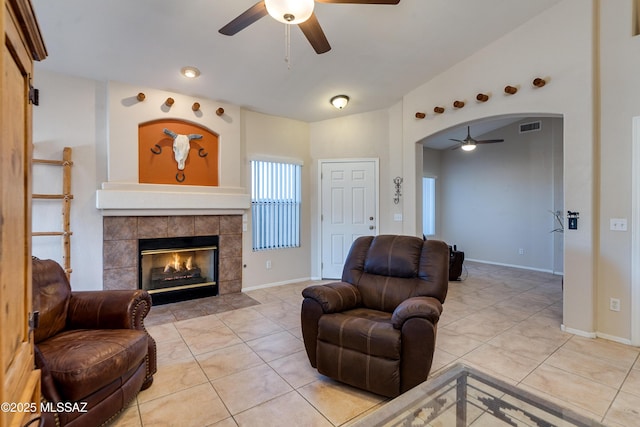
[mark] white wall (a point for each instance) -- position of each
(556, 45)
(497, 199)
(280, 138)
(620, 102)
(126, 113)
(71, 114)
(376, 134)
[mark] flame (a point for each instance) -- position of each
(176, 264)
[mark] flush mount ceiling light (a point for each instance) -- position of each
(340, 101)
(290, 11)
(190, 72)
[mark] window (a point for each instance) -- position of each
(428, 206)
(275, 204)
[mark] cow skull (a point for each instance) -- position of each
(181, 146)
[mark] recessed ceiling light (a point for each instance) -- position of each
(190, 72)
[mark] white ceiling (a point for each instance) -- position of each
(379, 52)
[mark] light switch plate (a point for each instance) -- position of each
(618, 224)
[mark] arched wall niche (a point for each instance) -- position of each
(156, 161)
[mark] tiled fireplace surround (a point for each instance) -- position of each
(120, 245)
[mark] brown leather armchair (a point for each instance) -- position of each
(376, 329)
(92, 348)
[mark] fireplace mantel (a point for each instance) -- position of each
(133, 199)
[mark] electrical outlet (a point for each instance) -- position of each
(521, 251)
(268, 264)
(614, 304)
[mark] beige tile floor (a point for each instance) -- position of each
(239, 361)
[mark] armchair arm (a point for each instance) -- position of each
(334, 297)
(423, 307)
(113, 309)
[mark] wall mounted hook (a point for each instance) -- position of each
(438, 110)
(140, 97)
(510, 90)
(420, 115)
(195, 106)
(482, 97)
(538, 82)
(220, 111)
(169, 102)
(458, 104)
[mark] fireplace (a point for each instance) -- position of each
(178, 268)
(122, 235)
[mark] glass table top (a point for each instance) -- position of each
(462, 396)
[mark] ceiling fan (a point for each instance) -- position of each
(469, 144)
(298, 12)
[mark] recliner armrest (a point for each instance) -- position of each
(424, 307)
(334, 297)
(113, 309)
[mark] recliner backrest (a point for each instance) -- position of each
(388, 269)
(51, 293)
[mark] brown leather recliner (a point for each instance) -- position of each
(91, 346)
(376, 329)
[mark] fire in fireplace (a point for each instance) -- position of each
(180, 268)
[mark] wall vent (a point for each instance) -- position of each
(530, 127)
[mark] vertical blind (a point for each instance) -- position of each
(275, 204)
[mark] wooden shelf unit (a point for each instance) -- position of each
(66, 198)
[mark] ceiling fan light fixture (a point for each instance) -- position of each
(190, 72)
(468, 147)
(340, 101)
(290, 11)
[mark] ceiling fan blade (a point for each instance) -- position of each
(360, 1)
(313, 32)
(456, 140)
(245, 19)
(489, 141)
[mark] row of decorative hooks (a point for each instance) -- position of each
(170, 101)
(538, 82)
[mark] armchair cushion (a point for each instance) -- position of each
(50, 298)
(83, 361)
(424, 307)
(362, 330)
(334, 297)
(115, 309)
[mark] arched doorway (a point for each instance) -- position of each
(502, 202)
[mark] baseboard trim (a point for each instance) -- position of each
(578, 332)
(523, 267)
(613, 338)
(274, 284)
(594, 335)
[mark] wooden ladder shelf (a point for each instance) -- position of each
(66, 198)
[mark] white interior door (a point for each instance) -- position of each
(348, 209)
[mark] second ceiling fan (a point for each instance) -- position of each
(298, 12)
(469, 143)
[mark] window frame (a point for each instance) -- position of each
(276, 203)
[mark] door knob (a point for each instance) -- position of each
(371, 227)
(370, 218)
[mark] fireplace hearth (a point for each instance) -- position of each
(178, 268)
